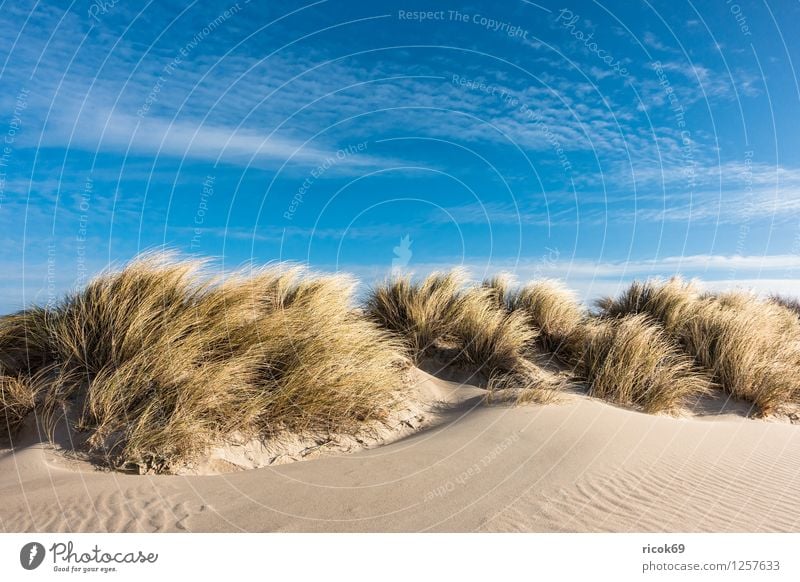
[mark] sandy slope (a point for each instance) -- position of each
(581, 465)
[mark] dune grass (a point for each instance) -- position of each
(422, 313)
(489, 338)
(632, 362)
(552, 310)
(24, 341)
(669, 302)
(750, 347)
(442, 314)
(500, 288)
(17, 400)
(158, 362)
(790, 303)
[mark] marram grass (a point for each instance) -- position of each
(155, 363)
(750, 347)
(632, 362)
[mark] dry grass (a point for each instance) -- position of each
(421, 313)
(24, 341)
(631, 361)
(17, 400)
(500, 289)
(496, 342)
(157, 362)
(553, 311)
(750, 347)
(670, 302)
(442, 312)
(790, 303)
(488, 336)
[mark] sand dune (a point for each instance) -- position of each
(579, 465)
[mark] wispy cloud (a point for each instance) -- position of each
(762, 274)
(182, 139)
(652, 41)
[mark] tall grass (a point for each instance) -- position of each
(157, 362)
(790, 303)
(500, 289)
(670, 302)
(554, 312)
(422, 313)
(631, 361)
(25, 341)
(489, 337)
(17, 400)
(442, 314)
(750, 347)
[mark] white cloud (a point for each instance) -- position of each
(104, 132)
(592, 279)
(651, 40)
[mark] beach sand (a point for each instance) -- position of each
(579, 465)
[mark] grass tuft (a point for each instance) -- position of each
(490, 338)
(157, 362)
(670, 302)
(421, 313)
(553, 311)
(631, 361)
(17, 400)
(790, 303)
(750, 347)
(442, 313)
(500, 288)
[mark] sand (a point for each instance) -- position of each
(580, 465)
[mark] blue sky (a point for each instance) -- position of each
(594, 142)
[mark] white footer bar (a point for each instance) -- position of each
(401, 557)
